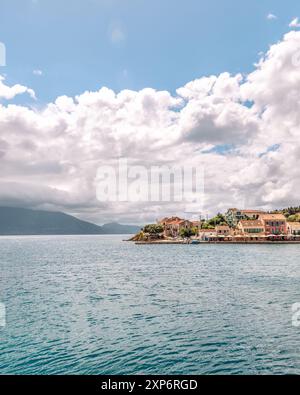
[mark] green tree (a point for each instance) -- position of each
(288, 211)
(188, 233)
(219, 219)
(154, 229)
(206, 225)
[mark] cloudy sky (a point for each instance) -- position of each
(210, 84)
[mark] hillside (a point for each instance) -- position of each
(291, 213)
(20, 221)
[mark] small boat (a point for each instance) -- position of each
(195, 242)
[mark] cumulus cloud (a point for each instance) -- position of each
(9, 93)
(50, 156)
(271, 16)
(295, 23)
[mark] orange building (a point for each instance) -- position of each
(275, 224)
(173, 226)
(223, 230)
(251, 228)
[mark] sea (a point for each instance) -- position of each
(97, 305)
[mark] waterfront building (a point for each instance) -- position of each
(173, 226)
(208, 235)
(293, 228)
(251, 228)
(234, 216)
(223, 230)
(274, 224)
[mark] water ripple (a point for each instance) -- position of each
(97, 305)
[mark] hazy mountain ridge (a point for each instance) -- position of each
(21, 221)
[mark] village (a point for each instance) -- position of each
(236, 226)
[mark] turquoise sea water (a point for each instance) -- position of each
(97, 305)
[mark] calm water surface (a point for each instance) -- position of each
(97, 305)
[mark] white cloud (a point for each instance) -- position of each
(49, 157)
(295, 23)
(271, 16)
(9, 93)
(37, 72)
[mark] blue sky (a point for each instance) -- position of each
(83, 45)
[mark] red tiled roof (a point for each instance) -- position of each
(171, 220)
(272, 217)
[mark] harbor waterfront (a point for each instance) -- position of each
(236, 226)
(98, 305)
(193, 242)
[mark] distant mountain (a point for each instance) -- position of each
(20, 221)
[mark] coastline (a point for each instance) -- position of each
(167, 242)
(234, 227)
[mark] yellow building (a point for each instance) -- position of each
(254, 228)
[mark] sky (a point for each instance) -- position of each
(88, 82)
(84, 45)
